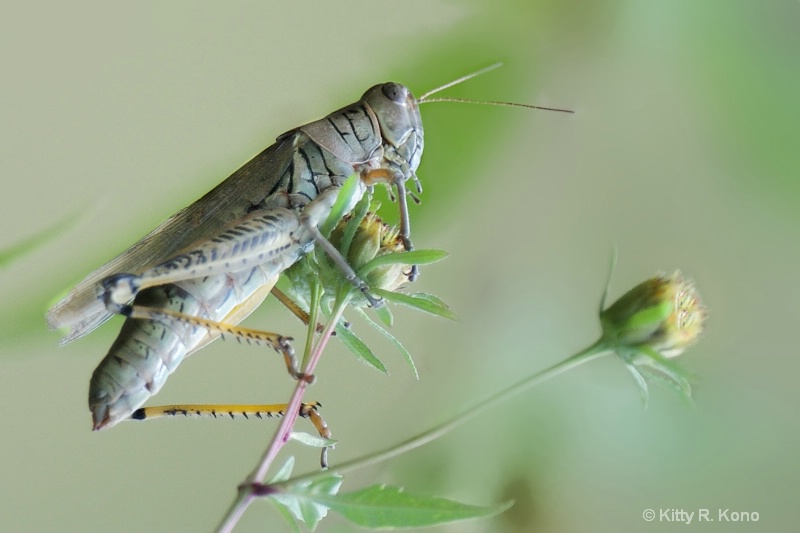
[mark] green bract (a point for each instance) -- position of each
(653, 322)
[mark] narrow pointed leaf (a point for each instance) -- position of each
(385, 315)
(414, 257)
(339, 209)
(640, 382)
(393, 340)
(361, 350)
(431, 298)
(314, 441)
(670, 383)
(658, 362)
(421, 304)
(350, 229)
(283, 472)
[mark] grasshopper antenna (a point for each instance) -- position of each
(501, 104)
(425, 98)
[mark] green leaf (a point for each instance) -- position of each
(283, 472)
(357, 346)
(340, 207)
(669, 383)
(658, 362)
(289, 505)
(287, 515)
(392, 339)
(385, 315)
(431, 298)
(380, 506)
(306, 500)
(416, 302)
(350, 229)
(314, 441)
(647, 364)
(414, 257)
(640, 382)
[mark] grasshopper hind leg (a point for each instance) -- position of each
(280, 343)
(308, 410)
(167, 323)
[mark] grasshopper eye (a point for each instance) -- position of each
(394, 92)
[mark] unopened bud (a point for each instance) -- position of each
(372, 239)
(662, 313)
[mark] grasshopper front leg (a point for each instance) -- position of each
(313, 215)
(398, 179)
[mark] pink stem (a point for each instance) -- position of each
(281, 436)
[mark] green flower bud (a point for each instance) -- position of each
(662, 313)
(373, 238)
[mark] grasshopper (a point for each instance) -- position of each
(200, 273)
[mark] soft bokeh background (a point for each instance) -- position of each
(683, 152)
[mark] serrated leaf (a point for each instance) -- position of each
(393, 340)
(289, 504)
(414, 257)
(359, 349)
(422, 304)
(287, 515)
(314, 441)
(304, 500)
(326, 486)
(381, 506)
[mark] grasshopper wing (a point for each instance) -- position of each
(82, 311)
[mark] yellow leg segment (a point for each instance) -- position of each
(278, 410)
(292, 306)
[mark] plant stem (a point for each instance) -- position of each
(594, 351)
(316, 291)
(245, 495)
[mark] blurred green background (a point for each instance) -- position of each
(683, 152)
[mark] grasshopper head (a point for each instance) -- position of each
(401, 126)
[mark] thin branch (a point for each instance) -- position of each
(594, 351)
(245, 495)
